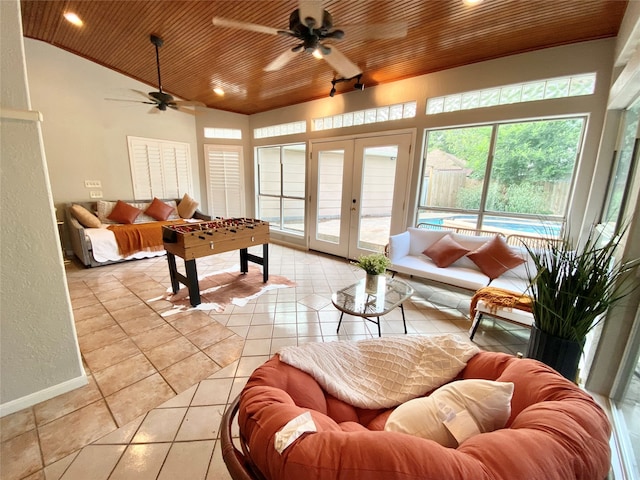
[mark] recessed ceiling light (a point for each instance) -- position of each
(471, 2)
(73, 18)
(218, 91)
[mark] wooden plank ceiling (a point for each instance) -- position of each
(198, 56)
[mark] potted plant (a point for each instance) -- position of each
(374, 264)
(571, 289)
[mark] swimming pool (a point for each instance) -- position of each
(503, 225)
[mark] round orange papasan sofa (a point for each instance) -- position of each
(556, 431)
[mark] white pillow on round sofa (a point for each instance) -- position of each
(455, 412)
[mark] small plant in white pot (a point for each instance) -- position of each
(374, 264)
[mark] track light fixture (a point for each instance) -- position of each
(358, 85)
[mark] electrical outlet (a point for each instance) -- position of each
(96, 194)
(93, 184)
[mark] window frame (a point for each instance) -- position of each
(282, 198)
(481, 212)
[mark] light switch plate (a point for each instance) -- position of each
(96, 194)
(93, 184)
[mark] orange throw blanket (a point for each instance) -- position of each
(140, 237)
(500, 298)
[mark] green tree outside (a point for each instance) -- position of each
(527, 156)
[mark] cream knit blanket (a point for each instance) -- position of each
(383, 372)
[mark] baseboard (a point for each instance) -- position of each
(42, 395)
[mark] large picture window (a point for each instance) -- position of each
(510, 177)
(281, 187)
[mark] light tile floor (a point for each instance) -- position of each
(158, 385)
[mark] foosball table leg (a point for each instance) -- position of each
(244, 260)
(265, 262)
(192, 282)
(173, 272)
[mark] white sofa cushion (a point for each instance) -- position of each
(513, 315)
(422, 266)
(421, 239)
(399, 246)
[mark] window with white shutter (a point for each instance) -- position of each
(225, 187)
(159, 168)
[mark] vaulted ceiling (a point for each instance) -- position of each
(198, 56)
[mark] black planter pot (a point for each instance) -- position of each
(560, 354)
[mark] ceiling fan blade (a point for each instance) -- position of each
(341, 64)
(357, 33)
(189, 103)
(311, 9)
(253, 27)
(145, 95)
(127, 101)
(280, 61)
(190, 111)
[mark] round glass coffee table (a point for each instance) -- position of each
(371, 304)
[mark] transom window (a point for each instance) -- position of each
(384, 113)
(281, 129)
(518, 93)
(509, 177)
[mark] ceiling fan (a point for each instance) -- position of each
(312, 25)
(162, 100)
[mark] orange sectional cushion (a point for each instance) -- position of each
(455, 412)
(445, 251)
(124, 213)
(495, 257)
(159, 210)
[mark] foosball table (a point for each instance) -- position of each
(190, 241)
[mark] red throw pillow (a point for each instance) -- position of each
(445, 251)
(124, 213)
(495, 257)
(159, 210)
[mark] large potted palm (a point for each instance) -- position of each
(571, 289)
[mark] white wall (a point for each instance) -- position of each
(38, 347)
(85, 135)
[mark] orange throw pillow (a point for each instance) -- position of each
(124, 213)
(445, 251)
(495, 257)
(159, 210)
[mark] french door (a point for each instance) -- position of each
(359, 194)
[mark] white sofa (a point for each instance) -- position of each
(406, 255)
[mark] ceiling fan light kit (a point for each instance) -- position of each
(311, 25)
